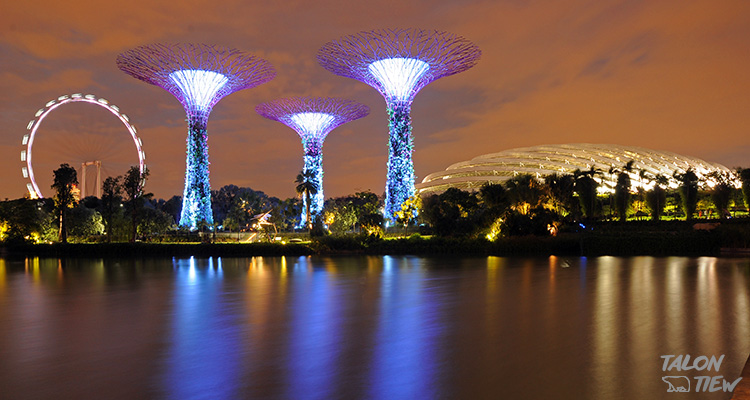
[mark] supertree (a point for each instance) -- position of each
(398, 63)
(199, 76)
(313, 118)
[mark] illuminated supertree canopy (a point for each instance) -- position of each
(398, 63)
(313, 118)
(198, 76)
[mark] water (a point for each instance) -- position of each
(367, 327)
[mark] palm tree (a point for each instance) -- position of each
(744, 175)
(110, 202)
(622, 189)
(656, 198)
(721, 193)
(688, 191)
(307, 185)
(65, 178)
(132, 183)
(524, 193)
(561, 188)
(585, 188)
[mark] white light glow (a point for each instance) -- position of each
(398, 75)
(312, 122)
(199, 86)
(28, 140)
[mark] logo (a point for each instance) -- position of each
(677, 383)
(703, 383)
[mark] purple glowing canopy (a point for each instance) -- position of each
(399, 62)
(312, 116)
(198, 75)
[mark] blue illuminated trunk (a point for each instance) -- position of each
(400, 181)
(313, 158)
(196, 199)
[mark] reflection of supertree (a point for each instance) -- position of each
(398, 63)
(198, 76)
(313, 118)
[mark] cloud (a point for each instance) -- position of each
(670, 75)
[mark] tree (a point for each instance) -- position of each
(222, 201)
(408, 212)
(236, 206)
(84, 222)
(494, 203)
(585, 188)
(133, 183)
(307, 186)
(372, 224)
(494, 199)
(173, 207)
(367, 210)
(744, 175)
(286, 214)
(152, 221)
(65, 179)
(340, 214)
(561, 191)
(688, 191)
(524, 192)
(111, 202)
(452, 213)
(622, 190)
(656, 198)
(721, 193)
(23, 220)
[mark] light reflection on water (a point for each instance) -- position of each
(365, 327)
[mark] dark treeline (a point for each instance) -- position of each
(522, 206)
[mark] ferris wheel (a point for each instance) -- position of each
(76, 146)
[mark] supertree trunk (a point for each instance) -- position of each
(196, 201)
(400, 179)
(313, 159)
(312, 118)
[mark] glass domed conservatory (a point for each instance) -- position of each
(540, 161)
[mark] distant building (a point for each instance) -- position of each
(540, 161)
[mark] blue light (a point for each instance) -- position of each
(200, 330)
(198, 86)
(312, 123)
(400, 178)
(398, 76)
(312, 127)
(314, 163)
(199, 89)
(196, 200)
(312, 118)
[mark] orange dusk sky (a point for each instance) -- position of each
(667, 75)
